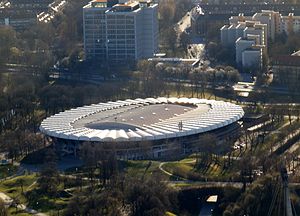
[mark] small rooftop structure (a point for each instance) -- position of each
(212, 199)
(297, 53)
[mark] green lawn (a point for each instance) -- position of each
(187, 169)
(12, 187)
(7, 170)
(42, 203)
(140, 168)
(12, 211)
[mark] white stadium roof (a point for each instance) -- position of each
(119, 121)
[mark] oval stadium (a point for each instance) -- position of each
(143, 128)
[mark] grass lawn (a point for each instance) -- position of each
(43, 203)
(186, 92)
(12, 211)
(186, 169)
(50, 205)
(7, 170)
(12, 187)
(140, 168)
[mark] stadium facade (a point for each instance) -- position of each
(143, 128)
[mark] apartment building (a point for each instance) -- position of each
(276, 22)
(114, 31)
(286, 70)
(290, 24)
(249, 39)
(265, 25)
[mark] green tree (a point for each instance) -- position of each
(48, 180)
(3, 210)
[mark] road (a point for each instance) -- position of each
(184, 23)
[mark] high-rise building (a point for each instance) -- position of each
(120, 31)
(271, 19)
(94, 29)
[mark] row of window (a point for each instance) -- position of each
(121, 46)
(95, 31)
(110, 38)
(118, 51)
(95, 35)
(95, 52)
(121, 57)
(114, 36)
(95, 45)
(120, 41)
(90, 25)
(94, 22)
(128, 27)
(121, 32)
(91, 17)
(119, 22)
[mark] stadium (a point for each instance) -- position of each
(143, 128)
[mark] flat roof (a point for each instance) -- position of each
(100, 1)
(212, 199)
(135, 117)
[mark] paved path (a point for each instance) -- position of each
(6, 199)
(170, 174)
(184, 23)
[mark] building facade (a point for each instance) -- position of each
(145, 128)
(240, 46)
(120, 31)
(286, 70)
(249, 37)
(276, 23)
(290, 24)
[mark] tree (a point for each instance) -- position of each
(251, 202)
(170, 38)
(20, 182)
(184, 40)
(3, 210)
(16, 203)
(206, 146)
(167, 9)
(7, 41)
(48, 180)
(147, 196)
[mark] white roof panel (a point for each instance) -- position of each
(220, 114)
